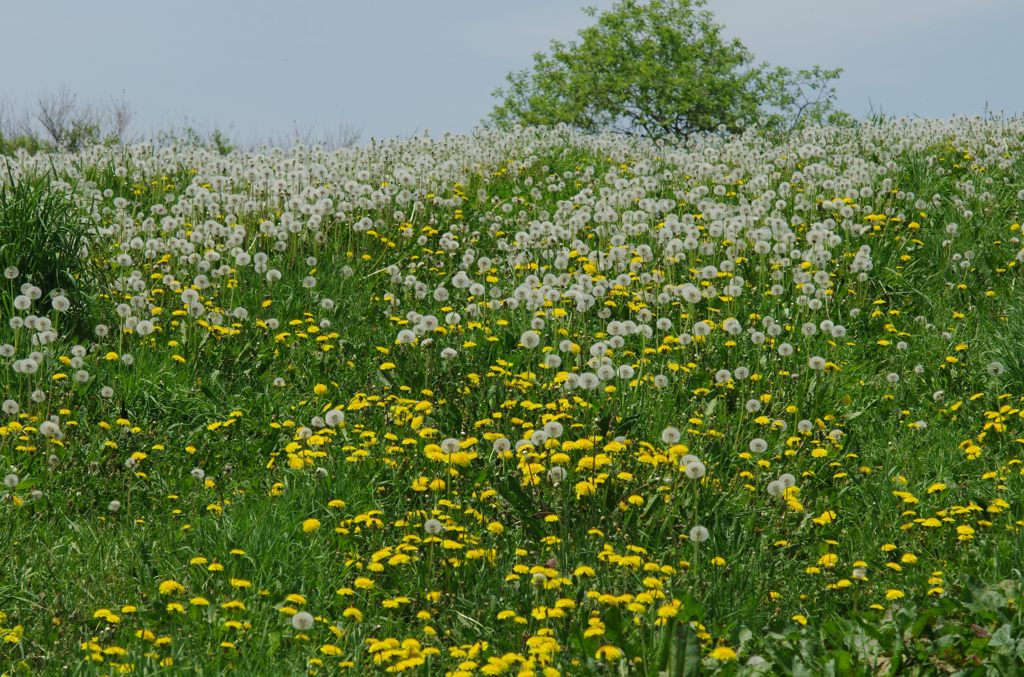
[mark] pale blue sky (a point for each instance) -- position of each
(395, 68)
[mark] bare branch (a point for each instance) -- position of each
(121, 117)
(54, 112)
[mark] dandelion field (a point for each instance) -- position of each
(517, 403)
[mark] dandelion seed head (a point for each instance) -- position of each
(758, 445)
(302, 620)
(699, 534)
(529, 339)
(557, 474)
(695, 470)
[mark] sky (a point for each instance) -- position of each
(402, 67)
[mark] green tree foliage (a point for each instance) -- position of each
(661, 68)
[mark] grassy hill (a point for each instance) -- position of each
(517, 403)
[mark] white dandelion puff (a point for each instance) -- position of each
(758, 445)
(670, 435)
(529, 339)
(302, 620)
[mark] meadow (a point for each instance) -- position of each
(527, 403)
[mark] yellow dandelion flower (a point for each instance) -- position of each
(608, 652)
(722, 653)
(171, 587)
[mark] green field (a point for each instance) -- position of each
(524, 403)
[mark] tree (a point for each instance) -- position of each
(71, 126)
(660, 68)
(58, 121)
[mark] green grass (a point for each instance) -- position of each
(42, 233)
(897, 554)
